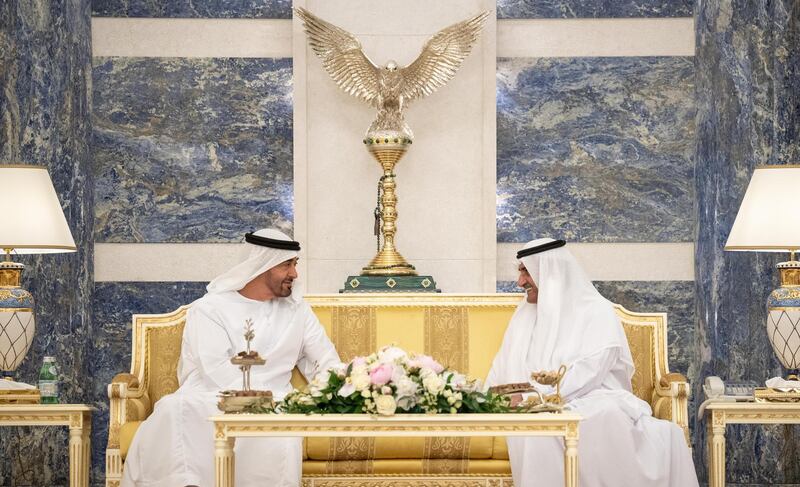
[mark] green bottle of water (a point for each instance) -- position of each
(48, 381)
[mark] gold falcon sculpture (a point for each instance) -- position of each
(390, 89)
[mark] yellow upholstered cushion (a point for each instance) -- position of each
(407, 467)
(386, 448)
(126, 432)
(500, 450)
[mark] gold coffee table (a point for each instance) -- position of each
(721, 414)
(77, 416)
(229, 427)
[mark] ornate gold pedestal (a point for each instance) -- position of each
(388, 262)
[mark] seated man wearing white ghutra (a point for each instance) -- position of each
(563, 320)
(175, 445)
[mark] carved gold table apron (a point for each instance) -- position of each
(77, 416)
(720, 414)
(229, 427)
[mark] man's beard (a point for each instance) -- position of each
(283, 289)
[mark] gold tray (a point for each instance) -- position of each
(767, 394)
(20, 396)
(547, 407)
(231, 402)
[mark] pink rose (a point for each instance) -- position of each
(426, 361)
(381, 374)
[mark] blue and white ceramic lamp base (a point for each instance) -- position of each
(17, 323)
(783, 322)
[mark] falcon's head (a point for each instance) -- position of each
(390, 66)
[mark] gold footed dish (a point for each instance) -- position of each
(768, 394)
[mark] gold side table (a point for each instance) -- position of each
(229, 427)
(721, 414)
(77, 416)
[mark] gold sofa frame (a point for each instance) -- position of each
(347, 317)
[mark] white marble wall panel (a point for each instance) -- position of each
(143, 37)
(446, 188)
(169, 262)
(595, 37)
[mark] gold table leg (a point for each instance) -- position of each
(79, 456)
(224, 462)
(716, 450)
(571, 457)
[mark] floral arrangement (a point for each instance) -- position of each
(391, 381)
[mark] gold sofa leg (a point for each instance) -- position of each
(113, 467)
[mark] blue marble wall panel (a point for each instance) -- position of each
(45, 69)
(250, 9)
(567, 9)
(595, 149)
(114, 304)
(191, 150)
(748, 113)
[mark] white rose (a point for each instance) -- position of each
(360, 381)
(406, 387)
(433, 384)
(385, 405)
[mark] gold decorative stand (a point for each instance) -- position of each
(388, 261)
(388, 271)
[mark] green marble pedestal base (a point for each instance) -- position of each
(390, 284)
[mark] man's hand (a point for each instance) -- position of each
(516, 399)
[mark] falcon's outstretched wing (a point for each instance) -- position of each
(341, 56)
(441, 57)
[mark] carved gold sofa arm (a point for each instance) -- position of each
(128, 401)
(671, 401)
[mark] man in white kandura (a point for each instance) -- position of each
(564, 320)
(175, 446)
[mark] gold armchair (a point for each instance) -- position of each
(463, 331)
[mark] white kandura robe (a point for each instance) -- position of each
(620, 443)
(174, 447)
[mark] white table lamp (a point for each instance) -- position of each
(769, 221)
(31, 222)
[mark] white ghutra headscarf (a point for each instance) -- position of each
(263, 256)
(571, 320)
